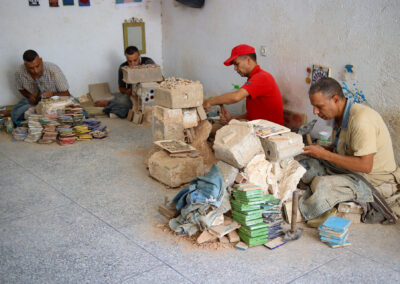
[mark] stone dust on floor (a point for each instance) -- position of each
(88, 213)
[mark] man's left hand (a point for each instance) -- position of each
(315, 151)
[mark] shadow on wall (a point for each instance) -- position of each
(116, 59)
(14, 94)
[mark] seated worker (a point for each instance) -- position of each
(35, 80)
(121, 104)
(263, 98)
(362, 145)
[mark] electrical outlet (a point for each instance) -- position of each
(263, 50)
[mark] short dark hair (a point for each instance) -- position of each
(328, 87)
(252, 56)
(131, 50)
(29, 55)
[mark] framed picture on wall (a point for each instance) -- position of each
(319, 72)
(34, 3)
(129, 2)
(134, 34)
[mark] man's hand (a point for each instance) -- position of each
(316, 151)
(225, 116)
(207, 105)
(47, 94)
(33, 98)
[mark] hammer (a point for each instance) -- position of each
(294, 233)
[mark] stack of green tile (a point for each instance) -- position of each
(248, 212)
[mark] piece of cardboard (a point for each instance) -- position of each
(100, 91)
(222, 230)
(275, 243)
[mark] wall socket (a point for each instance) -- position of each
(263, 50)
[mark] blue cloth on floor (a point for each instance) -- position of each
(202, 190)
(200, 203)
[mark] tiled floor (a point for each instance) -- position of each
(87, 213)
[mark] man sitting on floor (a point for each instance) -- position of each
(362, 145)
(35, 80)
(121, 104)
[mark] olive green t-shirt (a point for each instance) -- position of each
(366, 134)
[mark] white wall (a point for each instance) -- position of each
(365, 33)
(86, 42)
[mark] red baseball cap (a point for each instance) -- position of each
(241, 49)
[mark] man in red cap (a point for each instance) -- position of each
(263, 98)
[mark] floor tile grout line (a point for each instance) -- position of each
(33, 213)
(310, 271)
(140, 273)
(369, 258)
(97, 217)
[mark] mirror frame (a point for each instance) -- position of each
(125, 27)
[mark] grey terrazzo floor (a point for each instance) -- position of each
(87, 213)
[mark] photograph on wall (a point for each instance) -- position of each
(84, 2)
(68, 2)
(53, 3)
(34, 3)
(129, 2)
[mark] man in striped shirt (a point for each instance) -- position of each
(35, 80)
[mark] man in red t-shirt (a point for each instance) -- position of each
(263, 98)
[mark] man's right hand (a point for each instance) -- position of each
(225, 116)
(33, 98)
(207, 105)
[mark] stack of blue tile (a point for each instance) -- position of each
(334, 231)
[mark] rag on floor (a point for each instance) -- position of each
(200, 203)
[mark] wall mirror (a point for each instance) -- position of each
(134, 35)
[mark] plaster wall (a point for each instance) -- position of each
(86, 42)
(365, 33)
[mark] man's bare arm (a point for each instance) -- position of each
(124, 90)
(240, 116)
(361, 164)
(33, 98)
(226, 99)
(49, 94)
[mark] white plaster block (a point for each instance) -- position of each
(283, 146)
(228, 173)
(291, 176)
(236, 144)
(257, 171)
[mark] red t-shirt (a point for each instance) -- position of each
(265, 100)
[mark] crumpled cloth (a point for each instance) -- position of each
(328, 188)
(200, 203)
